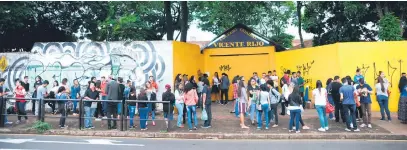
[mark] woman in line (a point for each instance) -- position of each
(294, 105)
(190, 100)
(215, 87)
(235, 83)
(20, 92)
(330, 98)
(38, 82)
(75, 94)
(168, 108)
(254, 92)
(62, 106)
(286, 92)
(52, 93)
(383, 98)
(151, 96)
(143, 109)
(132, 106)
(179, 103)
(264, 102)
(242, 93)
(274, 99)
(402, 111)
(290, 89)
(320, 97)
(177, 81)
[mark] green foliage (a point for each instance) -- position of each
(389, 28)
(41, 127)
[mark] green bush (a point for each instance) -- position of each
(41, 127)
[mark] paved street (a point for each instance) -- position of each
(99, 143)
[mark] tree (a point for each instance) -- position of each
(24, 23)
(168, 20)
(184, 20)
(397, 9)
(299, 6)
(268, 18)
(389, 28)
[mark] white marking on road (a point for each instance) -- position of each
(15, 141)
(101, 141)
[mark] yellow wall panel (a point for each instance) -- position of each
(372, 57)
(187, 59)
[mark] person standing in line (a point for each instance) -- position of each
(224, 86)
(330, 98)
(151, 96)
(301, 83)
(206, 97)
(52, 94)
(235, 83)
(264, 102)
(295, 102)
(168, 108)
(215, 87)
(348, 102)
(339, 111)
(99, 108)
(190, 100)
(38, 83)
(364, 90)
(26, 86)
(143, 109)
(132, 106)
(263, 78)
(254, 92)
(90, 107)
(274, 78)
(274, 99)
(62, 96)
(75, 94)
(320, 97)
(402, 107)
(199, 90)
(153, 83)
(3, 92)
(242, 93)
(122, 87)
(20, 92)
(179, 103)
(112, 90)
(285, 92)
(357, 76)
(103, 86)
(383, 98)
(41, 94)
(294, 79)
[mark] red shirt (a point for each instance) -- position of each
(103, 87)
(19, 93)
(154, 85)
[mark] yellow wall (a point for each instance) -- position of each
(373, 57)
(187, 59)
(244, 65)
(316, 63)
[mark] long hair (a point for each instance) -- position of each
(56, 83)
(188, 87)
(329, 81)
(319, 85)
(192, 79)
(177, 78)
(380, 80)
(216, 75)
(402, 83)
(61, 89)
(349, 80)
(239, 90)
(296, 91)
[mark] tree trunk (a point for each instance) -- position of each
(168, 20)
(401, 24)
(299, 5)
(184, 20)
(379, 10)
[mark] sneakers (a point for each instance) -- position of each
(305, 127)
(8, 122)
(258, 128)
(363, 125)
(333, 118)
(297, 131)
(322, 129)
(369, 125)
(267, 128)
(326, 128)
(357, 130)
(274, 126)
(351, 125)
(18, 122)
(293, 128)
(346, 129)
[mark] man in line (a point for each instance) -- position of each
(335, 86)
(349, 105)
(103, 94)
(112, 90)
(224, 87)
(2, 93)
(274, 78)
(206, 97)
(357, 77)
(90, 107)
(41, 94)
(300, 82)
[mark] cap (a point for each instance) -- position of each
(167, 86)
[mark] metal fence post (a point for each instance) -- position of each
(38, 108)
(121, 115)
(2, 111)
(169, 116)
(42, 108)
(80, 113)
(125, 114)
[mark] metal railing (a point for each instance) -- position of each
(41, 111)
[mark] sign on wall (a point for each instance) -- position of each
(238, 37)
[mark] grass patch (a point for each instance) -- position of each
(41, 127)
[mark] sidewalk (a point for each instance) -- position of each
(225, 126)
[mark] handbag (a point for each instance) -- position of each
(204, 115)
(357, 102)
(329, 108)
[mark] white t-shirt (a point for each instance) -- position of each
(285, 91)
(320, 97)
(379, 89)
(275, 80)
(264, 97)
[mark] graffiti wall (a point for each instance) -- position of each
(134, 61)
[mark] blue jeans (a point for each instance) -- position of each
(143, 116)
(88, 116)
(237, 107)
(119, 108)
(132, 110)
(349, 110)
(180, 108)
(295, 114)
(150, 109)
(331, 101)
(75, 104)
(253, 111)
(104, 105)
(323, 120)
(193, 109)
(265, 110)
(384, 106)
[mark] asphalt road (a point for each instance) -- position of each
(37, 142)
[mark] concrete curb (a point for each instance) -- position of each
(364, 136)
